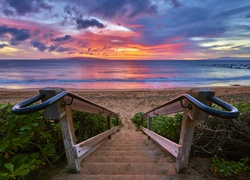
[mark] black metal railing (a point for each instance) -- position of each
(194, 109)
(230, 113)
(58, 104)
(25, 108)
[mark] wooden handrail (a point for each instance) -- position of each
(77, 103)
(196, 105)
(58, 104)
(176, 105)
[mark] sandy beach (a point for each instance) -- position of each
(128, 102)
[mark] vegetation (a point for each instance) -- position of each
(226, 141)
(29, 142)
(229, 168)
(167, 126)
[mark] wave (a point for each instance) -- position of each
(158, 79)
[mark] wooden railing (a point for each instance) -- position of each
(58, 104)
(196, 105)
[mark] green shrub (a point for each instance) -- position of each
(136, 119)
(227, 138)
(229, 168)
(166, 126)
(28, 142)
(88, 125)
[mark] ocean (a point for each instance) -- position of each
(104, 74)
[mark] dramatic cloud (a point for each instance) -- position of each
(3, 45)
(64, 38)
(52, 47)
(63, 49)
(18, 35)
(39, 45)
(8, 12)
(129, 29)
(84, 24)
(26, 6)
(121, 8)
(176, 3)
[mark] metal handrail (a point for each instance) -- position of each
(24, 108)
(231, 112)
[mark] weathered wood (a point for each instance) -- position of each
(83, 147)
(55, 110)
(188, 125)
(69, 141)
(85, 107)
(167, 144)
(108, 125)
(169, 109)
(63, 113)
(149, 125)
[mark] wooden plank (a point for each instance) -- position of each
(188, 125)
(108, 125)
(85, 107)
(85, 146)
(169, 109)
(69, 141)
(63, 113)
(149, 123)
(167, 144)
(55, 110)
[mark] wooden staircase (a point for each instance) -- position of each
(128, 155)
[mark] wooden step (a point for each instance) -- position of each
(128, 168)
(127, 159)
(126, 177)
(124, 153)
(127, 155)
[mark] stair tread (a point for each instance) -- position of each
(126, 177)
(128, 168)
(128, 159)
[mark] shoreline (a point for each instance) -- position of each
(136, 89)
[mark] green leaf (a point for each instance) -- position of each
(23, 170)
(4, 145)
(35, 124)
(26, 127)
(10, 167)
(3, 174)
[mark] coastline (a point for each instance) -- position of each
(129, 102)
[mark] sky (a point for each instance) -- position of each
(125, 29)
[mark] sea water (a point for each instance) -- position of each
(122, 74)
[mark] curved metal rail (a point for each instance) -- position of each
(24, 108)
(230, 113)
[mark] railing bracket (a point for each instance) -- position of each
(189, 106)
(101, 112)
(68, 104)
(155, 113)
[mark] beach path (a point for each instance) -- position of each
(127, 155)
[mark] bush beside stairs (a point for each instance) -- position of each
(127, 155)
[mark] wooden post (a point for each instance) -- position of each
(142, 121)
(117, 122)
(108, 125)
(188, 124)
(149, 125)
(63, 113)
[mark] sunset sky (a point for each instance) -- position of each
(124, 29)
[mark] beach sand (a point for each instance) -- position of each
(129, 102)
